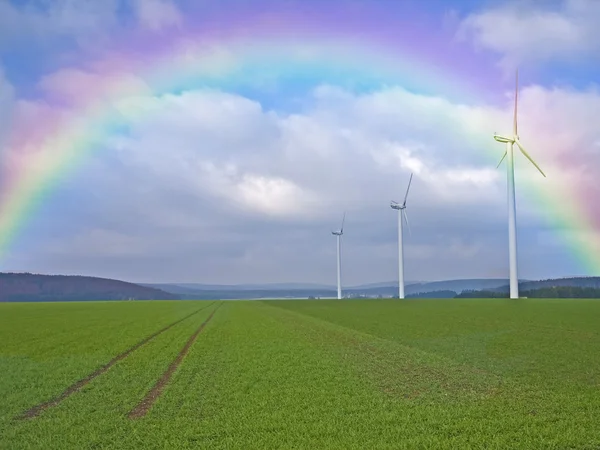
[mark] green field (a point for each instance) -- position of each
(453, 374)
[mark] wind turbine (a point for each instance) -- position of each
(512, 209)
(339, 234)
(401, 208)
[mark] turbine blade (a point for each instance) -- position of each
(407, 189)
(516, 97)
(503, 156)
(406, 220)
(529, 157)
(343, 220)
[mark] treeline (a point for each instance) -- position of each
(433, 294)
(481, 294)
(546, 292)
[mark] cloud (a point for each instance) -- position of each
(528, 32)
(156, 15)
(211, 186)
(269, 195)
(7, 105)
(7, 98)
(75, 87)
(87, 23)
(85, 20)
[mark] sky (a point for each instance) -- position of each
(222, 141)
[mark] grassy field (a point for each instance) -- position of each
(453, 374)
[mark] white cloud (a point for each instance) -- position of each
(156, 15)
(213, 183)
(273, 195)
(522, 32)
(269, 195)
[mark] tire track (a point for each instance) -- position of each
(144, 406)
(38, 409)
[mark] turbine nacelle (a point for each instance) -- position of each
(401, 208)
(341, 230)
(504, 139)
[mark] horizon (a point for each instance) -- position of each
(389, 283)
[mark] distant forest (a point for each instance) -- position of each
(546, 292)
(27, 287)
(434, 294)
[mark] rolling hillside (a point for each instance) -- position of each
(297, 290)
(28, 287)
(31, 287)
(580, 282)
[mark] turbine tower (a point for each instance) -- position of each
(401, 208)
(512, 209)
(339, 234)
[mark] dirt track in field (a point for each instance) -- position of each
(144, 406)
(38, 409)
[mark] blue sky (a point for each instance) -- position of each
(243, 183)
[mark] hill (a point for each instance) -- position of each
(457, 285)
(26, 287)
(230, 294)
(298, 290)
(580, 282)
(192, 288)
(30, 287)
(543, 292)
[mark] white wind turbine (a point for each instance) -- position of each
(401, 208)
(339, 234)
(512, 209)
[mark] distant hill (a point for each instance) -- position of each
(381, 284)
(26, 287)
(458, 285)
(305, 290)
(581, 282)
(251, 294)
(429, 286)
(544, 292)
(192, 287)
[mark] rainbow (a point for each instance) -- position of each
(301, 47)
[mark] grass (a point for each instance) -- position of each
(306, 374)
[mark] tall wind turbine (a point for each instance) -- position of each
(401, 208)
(512, 209)
(339, 234)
